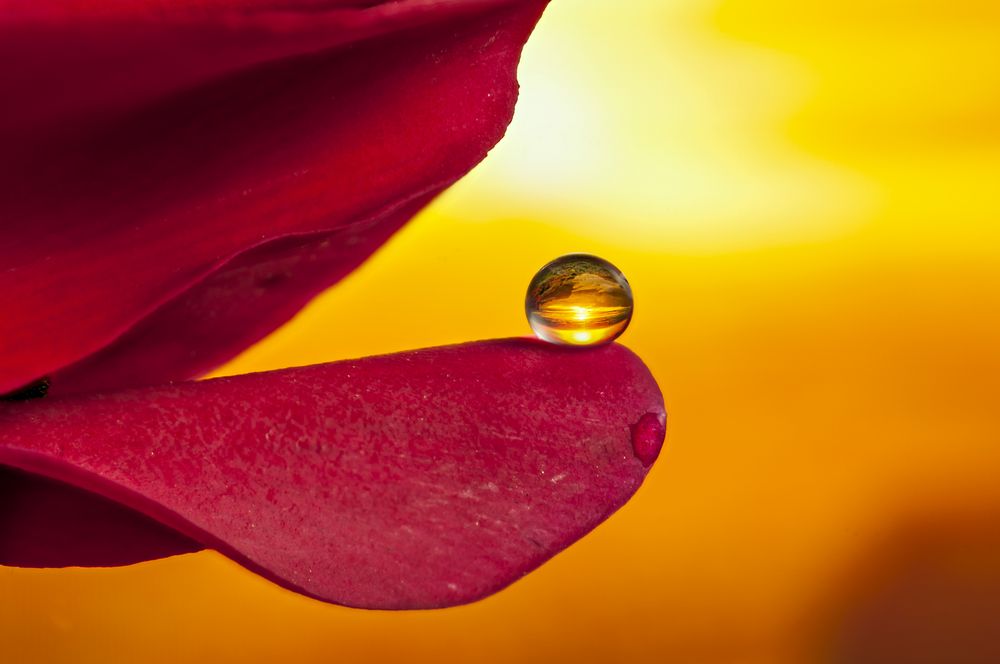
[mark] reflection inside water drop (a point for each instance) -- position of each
(579, 300)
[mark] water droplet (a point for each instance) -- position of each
(579, 300)
(647, 437)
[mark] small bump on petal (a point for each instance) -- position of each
(648, 435)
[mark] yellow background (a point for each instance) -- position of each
(805, 202)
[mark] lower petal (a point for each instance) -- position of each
(424, 479)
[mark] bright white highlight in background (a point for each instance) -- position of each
(702, 160)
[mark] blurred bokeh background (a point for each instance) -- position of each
(804, 197)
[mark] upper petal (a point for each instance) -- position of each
(146, 148)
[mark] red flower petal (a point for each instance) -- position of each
(231, 309)
(145, 148)
(45, 523)
(423, 479)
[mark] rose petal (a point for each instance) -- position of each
(58, 526)
(423, 479)
(146, 149)
(236, 306)
(45, 523)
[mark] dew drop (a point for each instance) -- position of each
(578, 300)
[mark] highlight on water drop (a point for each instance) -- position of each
(579, 300)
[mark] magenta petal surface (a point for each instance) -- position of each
(424, 479)
(147, 146)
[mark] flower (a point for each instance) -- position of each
(179, 182)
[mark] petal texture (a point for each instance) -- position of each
(422, 479)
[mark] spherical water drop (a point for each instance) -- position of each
(579, 300)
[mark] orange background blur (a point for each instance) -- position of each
(805, 202)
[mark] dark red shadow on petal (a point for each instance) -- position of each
(45, 523)
(423, 479)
